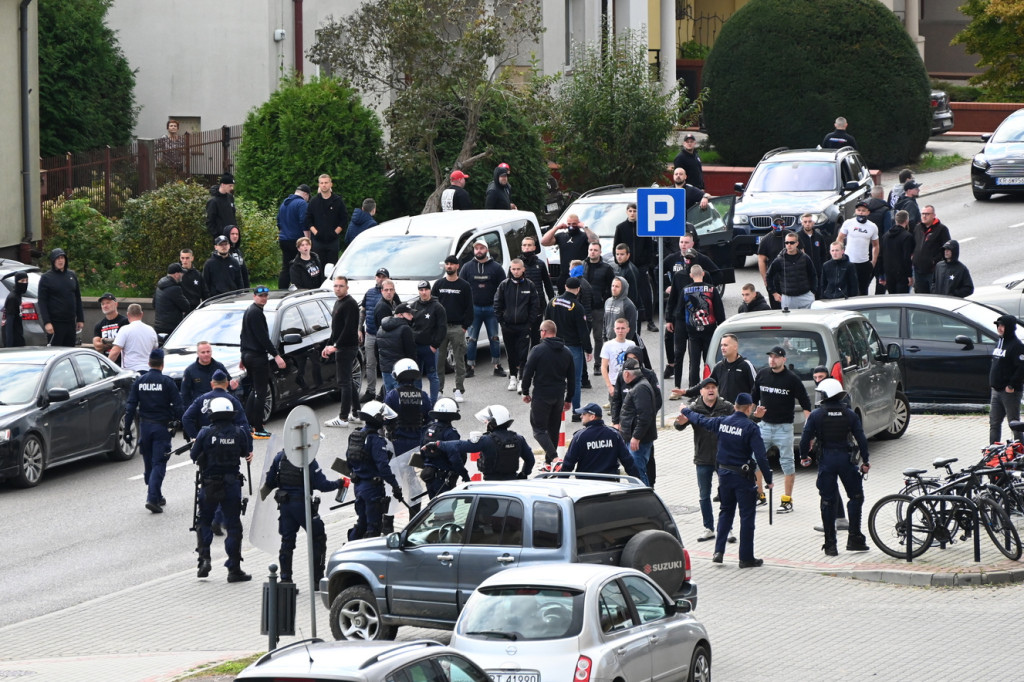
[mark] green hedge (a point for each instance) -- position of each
(89, 239)
(781, 71)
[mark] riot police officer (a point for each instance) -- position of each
(412, 405)
(739, 441)
(832, 424)
(287, 478)
(500, 448)
(439, 470)
(158, 402)
(368, 456)
(218, 450)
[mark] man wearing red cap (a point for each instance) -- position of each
(456, 198)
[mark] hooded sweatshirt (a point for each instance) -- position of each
(758, 304)
(498, 196)
(361, 222)
(170, 305)
(952, 278)
(14, 335)
(484, 278)
(221, 274)
(236, 253)
(620, 306)
(1007, 358)
(60, 298)
(220, 211)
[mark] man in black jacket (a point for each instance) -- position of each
(572, 239)
(256, 346)
(429, 329)
(169, 301)
(326, 217)
(517, 305)
(952, 278)
(395, 342)
(643, 254)
(220, 207)
(192, 280)
(637, 422)
(456, 296)
(222, 273)
(895, 255)
(929, 236)
(550, 372)
(625, 268)
(838, 275)
(753, 301)
(1006, 377)
(344, 346)
(456, 198)
(792, 278)
(499, 192)
(688, 159)
(567, 313)
(484, 275)
(60, 302)
(600, 276)
(597, 448)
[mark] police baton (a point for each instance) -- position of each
(771, 505)
(181, 448)
(248, 470)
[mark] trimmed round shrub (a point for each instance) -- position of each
(86, 235)
(304, 130)
(781, 71)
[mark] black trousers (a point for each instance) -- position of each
(346, 358)
(63, 334)
(259, 374)
(328, 252)
(289, 252)
(517, 345)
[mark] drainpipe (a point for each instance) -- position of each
(297, 30)
(26, 136)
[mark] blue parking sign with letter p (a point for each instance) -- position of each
(661, 212)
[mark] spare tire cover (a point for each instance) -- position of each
(659, 555)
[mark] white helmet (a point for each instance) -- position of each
(831, 389)
(376, 413)
(406, 370)
(446, 409)
(221, 408)
(494, 416)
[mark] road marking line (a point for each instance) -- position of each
(965, 239)
(1017, 225)
(173, 466)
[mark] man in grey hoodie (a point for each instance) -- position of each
(618, 305)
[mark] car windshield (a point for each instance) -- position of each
(523, 613)
(1010, 130)
(405, 256)
(805, 350)
(19, 384)
(218, 326)
(793, 176)
(601, 217)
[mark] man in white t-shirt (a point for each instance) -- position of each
(860, 237)
(613, 354)
(135, 341)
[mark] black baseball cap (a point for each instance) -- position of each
(106, 297)
(383, 272)
(403, 308)
(777, 350)
(261, 290)
(424, 284)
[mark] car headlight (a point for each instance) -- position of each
(738, 219)
(5, 435)
(980, 161)
(820, 218)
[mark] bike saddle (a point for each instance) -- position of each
(941, 462)
(914, 472)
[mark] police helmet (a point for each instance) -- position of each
(221, 408)
(495, 417)
(375, 413)
(445, 409)
(406, 370)
(831, 389)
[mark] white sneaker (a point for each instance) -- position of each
(708, 534)
(511, 383)
(337, 422)
(355, 420)
(519, 386)
(457, 396)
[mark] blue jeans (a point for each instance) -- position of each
(705, 476)
(641, 456)
(923, 282)
(389, 382)
(483, 316)
(580, 360)
(781, 436)
(427, 360)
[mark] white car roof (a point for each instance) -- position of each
(452, 223)
(573, 576)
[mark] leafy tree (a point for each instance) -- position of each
(610, 119)
(438, 62)
(86, 86)
(781, 71)
(86, 235)
(996, 34)
(306, 129)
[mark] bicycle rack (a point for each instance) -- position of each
(954, 499)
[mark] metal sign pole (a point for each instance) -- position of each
(304, 446)
(661, 327)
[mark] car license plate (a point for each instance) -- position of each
(499, 676)
(757, 240)
(552, 208)
(1010, 181)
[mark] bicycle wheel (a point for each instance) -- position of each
(888, 526)
(1000, 528)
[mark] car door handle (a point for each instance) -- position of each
(913, 349)
(445, 557)
(506, 559)
(654, 639)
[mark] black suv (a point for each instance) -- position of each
(300, 325)
(424, 575)
(790, 182)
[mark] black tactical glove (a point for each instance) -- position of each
(128, 437)
(399, 496)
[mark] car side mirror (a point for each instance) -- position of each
(682, 606)
(964, 341)
(985, 137)
(739, 186)
(893, 352)
(395, 541)
(851, 186)
(291, 339)
(58, 395)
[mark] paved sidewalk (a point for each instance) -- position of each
(160, 630)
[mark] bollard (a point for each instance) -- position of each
(270, 609)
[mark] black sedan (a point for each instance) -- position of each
(999, 167)
(58, 405)
(947, 342)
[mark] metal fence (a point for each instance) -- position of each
(110, 176)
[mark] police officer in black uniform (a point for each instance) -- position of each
(368, 458)
(832, 424)
(219, 450)
(158, 402)
(412, 405)
(739, 446)
(597, 448)
(500, 448)
(440, 472)
(287, 478)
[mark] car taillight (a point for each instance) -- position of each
(583, 667)
(687, 568)
(837, 372)
(935, 102)
(28, 311)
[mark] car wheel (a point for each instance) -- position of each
(981, 194)
(358, 368)
(122, 450)
(269, 405)
(700, 665)
(650, 549)
(31, 463)
(354, 616)
(900, 418)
